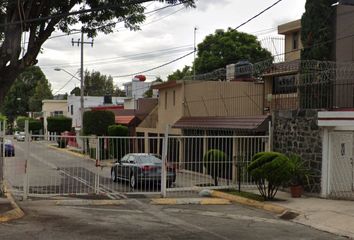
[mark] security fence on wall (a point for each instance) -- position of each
(281, 86)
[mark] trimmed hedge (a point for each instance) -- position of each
(270, 170)
(97, 122)
(119, 146)
(59, 124)
(215, 163)
(34, 125)
(118, 130)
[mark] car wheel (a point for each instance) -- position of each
(132, 181)
(113, 176)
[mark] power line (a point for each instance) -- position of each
(257, 15)
(183, 47)
(73, 77)
(151, 69)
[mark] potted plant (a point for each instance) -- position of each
(299, 175)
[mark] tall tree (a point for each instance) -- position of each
(40, 18)
(227, 47)
(97, 84)
(180, 74)
(27, 93)
(317, 30)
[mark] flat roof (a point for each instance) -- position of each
(289, 27)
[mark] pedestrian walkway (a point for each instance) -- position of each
(334, 216)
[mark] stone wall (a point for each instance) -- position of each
(297, 132)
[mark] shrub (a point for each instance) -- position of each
(97, 122)
(118, 130)
(118, 146)
(59, 124)
(34, 125)
(215, 163)
(270, 170)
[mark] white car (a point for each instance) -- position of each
(16, 134)
(21, 136)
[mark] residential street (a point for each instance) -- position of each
(140, 220)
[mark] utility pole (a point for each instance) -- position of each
(81, 42)
(195, 49)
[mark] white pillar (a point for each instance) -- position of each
(325, 175)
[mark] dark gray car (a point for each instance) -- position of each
(141, 169)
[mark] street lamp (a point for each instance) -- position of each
(81, 93)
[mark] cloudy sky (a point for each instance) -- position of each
(164, 36)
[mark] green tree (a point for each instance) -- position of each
(76, 91)
(41, 91)
(317, 30)
(149, 93)
(119, 92)
(227, 47)
(180, 74)
(27, 93)
(41, 18)
(97, 84)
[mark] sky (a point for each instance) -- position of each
(164, 36)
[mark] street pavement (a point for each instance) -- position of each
(137, 219)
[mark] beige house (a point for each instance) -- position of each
(206, 105)
(292, 33)
(52, 108)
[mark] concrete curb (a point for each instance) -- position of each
(189, 201)
(70, 152)
(13, 214)
(90, 202)
(249, 202)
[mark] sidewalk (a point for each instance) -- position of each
(334, 216)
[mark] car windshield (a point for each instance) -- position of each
(148, 159)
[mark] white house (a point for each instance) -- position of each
(73, 106)
(137, 87)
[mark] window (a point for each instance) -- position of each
(174, 98)
(295, 40)
(166, 100)
(56, 113)
(72, 109)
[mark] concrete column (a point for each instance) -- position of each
(326, 158)
(181, 163)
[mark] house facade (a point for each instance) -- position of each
(53, 108)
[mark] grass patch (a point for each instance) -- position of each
(248, 195)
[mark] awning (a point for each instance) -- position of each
(124, 120)
(254, 123)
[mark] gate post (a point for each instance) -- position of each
(2, 155)
(164, 163)
(27, 149)
(98, 163)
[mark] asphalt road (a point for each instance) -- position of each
(140, 220)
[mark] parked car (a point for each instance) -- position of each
(9, 148)
(16, 134)
(141, 169)
(21, 136)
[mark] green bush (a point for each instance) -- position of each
(34, 125)
(215, 163)
(59, 124)
(270, 170)
(118, 146)
(118, 130)
(97, 122)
